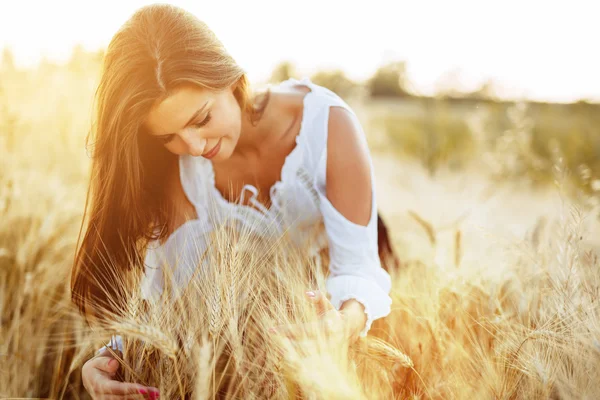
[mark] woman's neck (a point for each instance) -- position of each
(251, 136)
(281, 110)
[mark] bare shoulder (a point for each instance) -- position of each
(284, 108)
(343, 125)
(289, 98)
(348, 167)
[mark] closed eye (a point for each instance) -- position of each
(204, 121)
(168, 138)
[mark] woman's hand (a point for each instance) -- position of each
(98, 379)
(331, 322)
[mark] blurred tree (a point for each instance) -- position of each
(8, 60)
(78, 60)
(8, 120)
(282, 72)
(47, 66)
(390, 80)
(98, 56)
(487, 91)
(336, 81)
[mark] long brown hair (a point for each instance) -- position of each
(159, 48)
(388, 256)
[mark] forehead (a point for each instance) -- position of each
(170, 114)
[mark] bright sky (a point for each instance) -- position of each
(541, 49)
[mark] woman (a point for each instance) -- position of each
(181, 142)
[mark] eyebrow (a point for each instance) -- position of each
(192, 118)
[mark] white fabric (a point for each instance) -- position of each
(299, 206)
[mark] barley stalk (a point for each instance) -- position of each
(382, 351)
(429, 229)
(148, 334)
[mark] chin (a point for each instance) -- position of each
(224, 152)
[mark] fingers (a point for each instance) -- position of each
(322, 306)
(109, 389)
(98, 373)
(105, 388)
(127, 389)
(106, 364)
(120, 397)
(97, 370)
(320, 301)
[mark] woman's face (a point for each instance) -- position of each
(198, 122)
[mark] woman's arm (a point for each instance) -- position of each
(100, 376)
(358, 285)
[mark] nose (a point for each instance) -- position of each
(194, 143)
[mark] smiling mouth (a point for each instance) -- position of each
(212, 152)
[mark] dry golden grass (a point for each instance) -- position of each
(496, 296)
(211, 337)
(515, 319)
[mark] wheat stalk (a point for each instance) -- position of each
(147, 333)
(429, 229)
(203, 357)
(382, 351)
(457, 247)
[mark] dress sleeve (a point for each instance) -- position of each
(355, 270)
(115, 343)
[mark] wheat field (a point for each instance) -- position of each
(495, 297)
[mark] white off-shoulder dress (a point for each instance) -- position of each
(298, 205)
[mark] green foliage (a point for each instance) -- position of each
(336, 81)
(574, 131)
(389, 81)
(435, 138)
(514, 141)
(8, 60)
(283, 71)
(8, 123)
(487, 91)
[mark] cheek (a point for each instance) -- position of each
(235, 129)
(176, 148)
(235, 118)
(230, 127)
(228, 122)
(236, 123)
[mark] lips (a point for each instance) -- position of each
(212, 152)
